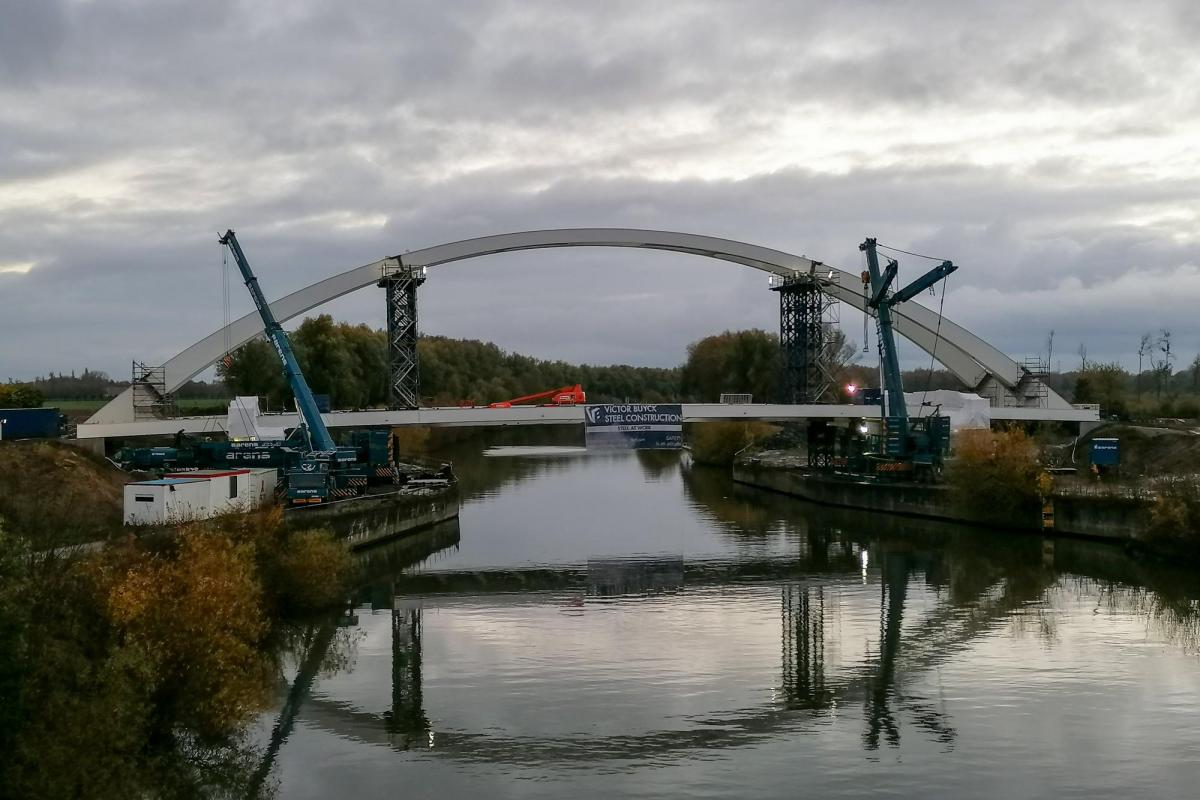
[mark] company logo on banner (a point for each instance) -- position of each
(642, 427)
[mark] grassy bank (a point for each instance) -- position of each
(54, 494)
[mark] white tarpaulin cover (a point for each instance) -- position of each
(964, 410)
(242, 421)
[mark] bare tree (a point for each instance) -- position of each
(1162, 361)
(1050, 351)
(1145, 347)
(1082, 357)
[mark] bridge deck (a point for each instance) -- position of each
(542, 415)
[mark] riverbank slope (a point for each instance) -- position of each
(54, 494)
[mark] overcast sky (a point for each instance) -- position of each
(1047, 148)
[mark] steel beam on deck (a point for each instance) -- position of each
(543, 415)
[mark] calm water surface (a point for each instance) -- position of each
(630, 626)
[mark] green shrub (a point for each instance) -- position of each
(312, 571)
(1175, 517)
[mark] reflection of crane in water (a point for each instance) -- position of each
(809, 687)
(882, 691)
(406, 630)
(803, 611)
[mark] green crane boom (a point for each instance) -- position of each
(881, 301)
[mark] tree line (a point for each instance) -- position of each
(350, 364)
(96, 385)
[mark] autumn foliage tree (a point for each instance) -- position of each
(196, 620)
(147, 659)
(995, 475)
(20, 395)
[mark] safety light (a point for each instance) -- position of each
(851, 388)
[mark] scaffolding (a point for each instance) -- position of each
(151, 400)
(1033, 382)
(806, 314)
(404, 384)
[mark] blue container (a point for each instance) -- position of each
(1106, 452)
(322, 401)
(29, 423)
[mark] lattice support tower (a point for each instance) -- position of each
(806, 314)
(404, 387)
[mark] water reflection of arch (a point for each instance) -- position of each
(808, 690)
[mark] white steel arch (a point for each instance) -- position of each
(975, 362)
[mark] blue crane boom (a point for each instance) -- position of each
(306, 404)
(882, 302)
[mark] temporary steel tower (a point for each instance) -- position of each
(404, 384)
(804, 319)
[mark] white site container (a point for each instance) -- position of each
(231, 490)
(166, 501)
(186, 496)
(262, 483)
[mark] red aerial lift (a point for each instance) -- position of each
(566, 396)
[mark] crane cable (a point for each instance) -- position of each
(908, 252)
(248, 421)
(225, 302)
(937, 335)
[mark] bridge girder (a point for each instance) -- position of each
(973, 360)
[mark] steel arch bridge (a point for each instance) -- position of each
(979, 365)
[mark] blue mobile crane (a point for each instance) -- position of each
(324, 470)
(914, 446)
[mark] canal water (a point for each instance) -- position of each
(630, 625)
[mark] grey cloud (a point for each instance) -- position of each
(32, 33)
(332, 137)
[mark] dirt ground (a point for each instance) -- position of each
(1145, 451)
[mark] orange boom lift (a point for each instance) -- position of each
(566, 396)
